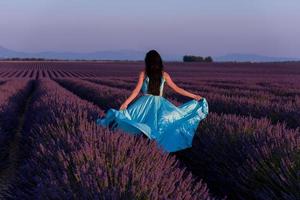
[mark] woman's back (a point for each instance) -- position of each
(146, 83)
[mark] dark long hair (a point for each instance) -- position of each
(154, 70)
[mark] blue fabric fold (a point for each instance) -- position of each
(172, 127)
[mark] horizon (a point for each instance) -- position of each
(57, 55)
(202, 28)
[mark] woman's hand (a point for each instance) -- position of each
(123, 106)
(197, 97)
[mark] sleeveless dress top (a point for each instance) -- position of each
(172, 127)
(146, 83)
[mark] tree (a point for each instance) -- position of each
(191, 58)
(208, 59)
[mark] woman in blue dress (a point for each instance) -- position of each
(172, 127)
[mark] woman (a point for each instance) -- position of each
(172, 127)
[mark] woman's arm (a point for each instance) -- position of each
(178, 89)
(135, 92)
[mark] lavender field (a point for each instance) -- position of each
(248, 147)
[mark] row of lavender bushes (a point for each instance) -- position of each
(276, 108)
(104, 96)
(68, 156)
(246, 158)
(239, 156)
(271, 87)
(262, 91)
(12, 95)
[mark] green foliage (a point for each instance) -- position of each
(191, 58)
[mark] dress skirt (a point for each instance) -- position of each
(172, 127)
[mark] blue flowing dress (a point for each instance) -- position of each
(172, 127)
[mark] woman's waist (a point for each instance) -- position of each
(147, 94)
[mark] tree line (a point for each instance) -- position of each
(191, 58)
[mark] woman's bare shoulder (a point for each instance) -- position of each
(166, 74)
(142, 73)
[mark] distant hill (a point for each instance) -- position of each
(252, 58)
(133, 55)
(98, 55)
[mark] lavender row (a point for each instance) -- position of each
(12, 98)
(285, 72)
(40, 74)
(288, 96)
(283, 112)
(39, 70)
(103, 96)
(270, 92)
(276, 87)
(270, 95)
(70, 157)
(287, 113)
(266, 87)
(246, 158)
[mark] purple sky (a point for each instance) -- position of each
(215, 27)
